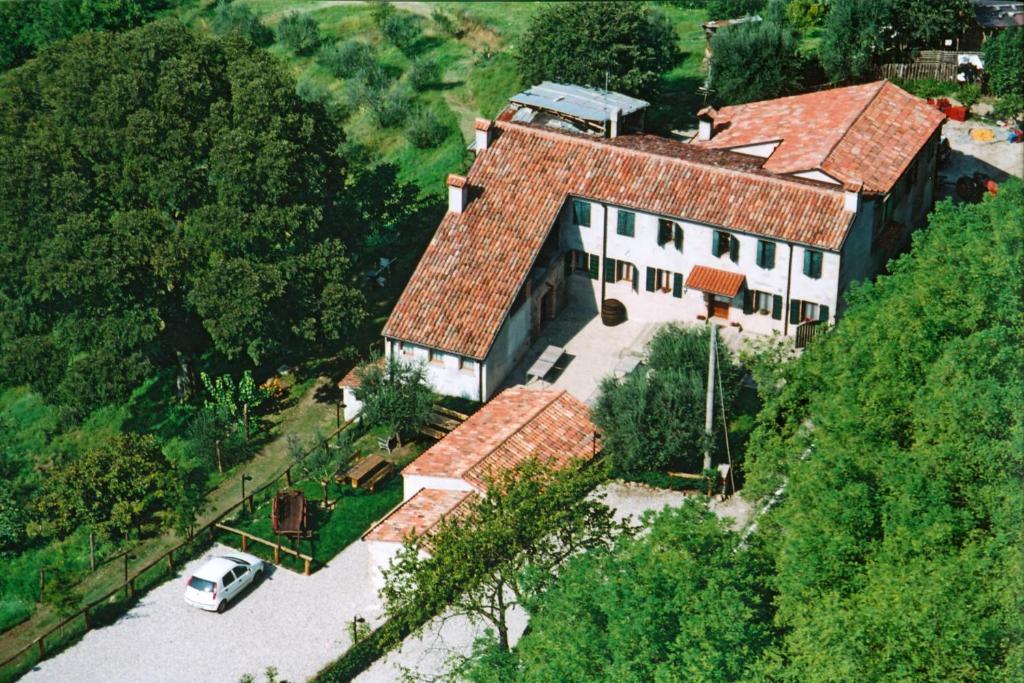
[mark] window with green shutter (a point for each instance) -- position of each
(794, 311)
(677, 285)
(766, 254)
(581, 213)
(734, 249)
(609, 270)
(594, 266)
(812, 263)
(627, 223)
(823, 313)
(777, 307)
(651, 276)
(664, 231)
(677, 236)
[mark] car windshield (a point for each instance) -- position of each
(201, 585)
(237, 560)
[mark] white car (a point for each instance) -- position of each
(221, 580)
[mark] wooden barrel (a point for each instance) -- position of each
(613, 312)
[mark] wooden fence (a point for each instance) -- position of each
(277, 547)
(940, 71)
(129, 586)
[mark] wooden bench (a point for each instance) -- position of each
(369, 472)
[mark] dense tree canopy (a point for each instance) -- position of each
(1004, 63)
(654, 417)
(583, 42)
(682, 602)
(163, 193)
(770, 46)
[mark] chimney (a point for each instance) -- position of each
(458, 193)
(484, 134)
(613, 123)
(706, 123)
(851, 197)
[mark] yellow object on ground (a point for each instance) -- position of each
(983, 134)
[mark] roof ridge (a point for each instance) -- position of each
(533, 416)
(767, 176)
(856, 119)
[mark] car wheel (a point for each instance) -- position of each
(222, 606)
(258, 577)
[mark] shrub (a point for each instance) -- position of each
(392, 108)
(446, 24)
(299, 33)
(754, 62)
(928, 87)
(1004, 62)
(968, 94)
(424, 73)
(425, 129)
(231, 18)
(347, 59)
(401, 29)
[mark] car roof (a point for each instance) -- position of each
(215, 568)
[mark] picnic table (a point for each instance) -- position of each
(542, 366)
(368, 471)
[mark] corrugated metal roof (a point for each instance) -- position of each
(715, 281)
(591, 104)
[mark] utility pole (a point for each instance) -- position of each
(709, 406)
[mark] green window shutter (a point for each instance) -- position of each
(823, 313)
(760, 253)
(581, 213)
(812, 263)
(677, 285)
(748, 302)
(650, 279)
(609, 270)
(770, 255)
(716, 244)
(817, 263)
(594, 265)
(626, 223)
(777, 307)
(677, 234)
(636, 279)
(734, 249)
(794, 311)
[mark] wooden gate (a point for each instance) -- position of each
(805, 333)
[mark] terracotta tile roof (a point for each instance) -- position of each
(351, 378)
(420, 513)
(516, 424)
(714, 281)
(863, 133)
(455, 180)
(474, 266)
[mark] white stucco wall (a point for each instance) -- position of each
(352, 404)
(443, 372)
(412, 483)
(511, 343)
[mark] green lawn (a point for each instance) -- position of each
(356, 510)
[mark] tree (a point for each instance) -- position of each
(733, 9)
(897, 438)
(117, 487)
(682, 601)
(230, 403)
(754, 61)
(229, 17)
(321, 459)
(401, 29)
(395, 395)
(299, 32)
(1004, 62)
(194, 202)
(502, 550)
(12, 519)
(655, 418)
(629, 45)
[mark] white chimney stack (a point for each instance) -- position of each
(851, 197)
(613, 123)
(458, 193)
(484, 132)
(706, 123)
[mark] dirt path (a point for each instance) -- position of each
(302, 418)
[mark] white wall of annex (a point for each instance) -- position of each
(443, 371)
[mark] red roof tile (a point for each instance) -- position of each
(474, 266)
(863, 133)
(455, 180)
(420, 513)
(516, 424)
(351, 378)
(714, 281)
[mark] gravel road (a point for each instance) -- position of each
(293, 622)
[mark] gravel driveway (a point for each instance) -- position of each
(293, 622)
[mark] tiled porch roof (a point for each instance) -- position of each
(421, 513)
(715, 281)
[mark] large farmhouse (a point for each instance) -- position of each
(762, 222)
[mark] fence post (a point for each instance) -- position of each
(288, 476)
(245, 543)
(277, 552)
(306, 569)
(170, 560)
(42, 647)
(92, 551)
(42, 581)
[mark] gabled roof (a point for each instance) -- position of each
(859, 134)
(420, 513)
(517, 424)
(715, 281)
(465, 284)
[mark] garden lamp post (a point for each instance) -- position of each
(245, 478)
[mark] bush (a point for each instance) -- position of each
(754, 62)
(299, 33)
(347, 59)
(425, 129)
(968, 94)
(231, 18)
(446, 24)
(392, 108)
(928, 87)
(403, 30)
(424, 73)
(1004, 62)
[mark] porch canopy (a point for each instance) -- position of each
(715, 281)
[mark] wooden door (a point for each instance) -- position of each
(718, 307)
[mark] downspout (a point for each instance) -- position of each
(785, 306)
(480, 377)
(604, 251)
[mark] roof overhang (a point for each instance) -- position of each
(715, 281)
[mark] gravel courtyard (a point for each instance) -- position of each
(293, 622)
